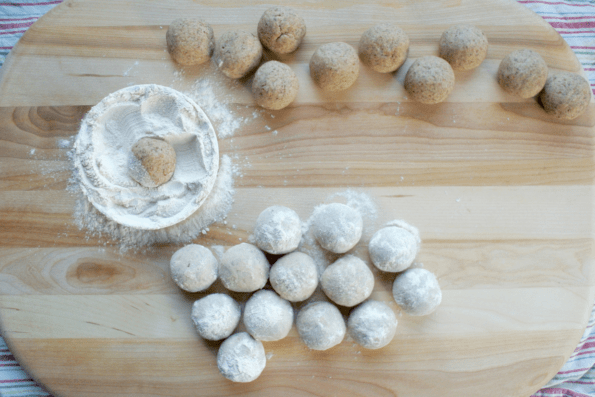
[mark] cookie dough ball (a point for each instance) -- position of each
(566, 95)
(274, 86)
(190, 41)
(348, 281)
(268, 317)
(372, 324)
(294, 277)
(216, 316)
(334, 66)
(278, 230)
(241, 358)
(417, 292)
(337, 227)
(281, 29)
(152, 162)
(384, 47)
(320, 325)
(463, 46)
(522, 73)
(394, 247)
(237, 53)
(193, 268)
(244, 268)
(430, 80)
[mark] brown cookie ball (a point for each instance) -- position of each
(384, 47)
(463, 46)
(275, 85)
(190, 41)
(334, 66)
(281, 29)
(522, 73)
(565, 95)
(430, 80)
(152, 162)
(237, 53)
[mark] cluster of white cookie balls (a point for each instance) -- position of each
(269, 315)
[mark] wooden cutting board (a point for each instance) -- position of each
(501, 193)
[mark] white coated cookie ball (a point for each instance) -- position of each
(337, 227)
(348, 281)
(216, 316)
(193, 268)
(278, 230)
(320, 325)
(241, 358)
(268, 317)
(394, 247)
(372, 324)
(417, 292)
(294, 276)
(244, 268)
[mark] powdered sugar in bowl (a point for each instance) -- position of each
(102, 154)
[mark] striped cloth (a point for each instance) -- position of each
(573, 19)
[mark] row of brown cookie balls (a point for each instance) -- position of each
(383, 48)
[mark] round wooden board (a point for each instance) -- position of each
(501, 193)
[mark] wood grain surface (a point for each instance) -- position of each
(501, 193)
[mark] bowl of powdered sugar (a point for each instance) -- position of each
(104, 147)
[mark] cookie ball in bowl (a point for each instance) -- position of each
(152, 162)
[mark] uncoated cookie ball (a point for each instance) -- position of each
(275, 85)
(281, 29)
(237, 53)
(522, 73)
(334, 66)
(384, 47)
(190, 41)
(152, 162)
(429, 80)
(463, 46)
(565, 95)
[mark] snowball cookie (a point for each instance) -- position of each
(320, 325)
(429, 80)
(337, 227)
(274, 86)
(417, 292)
(268, 317)
(237, 53)
(348, 281)
(241, 358)
(522, 73)
(278, 230)
(384, 47)
(281, 29)
(463, 46)
(372, 324)
(190, 41)
(216, 316)
(334, 66)
(394, 247)
(294, 277)
(152, 162)
(193, 268)
(244, 268)
(565, 95)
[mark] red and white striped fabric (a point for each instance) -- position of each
(573, 19)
